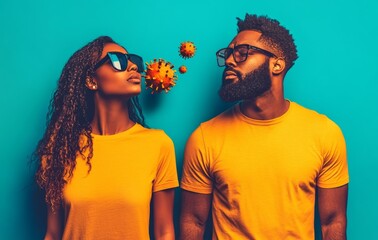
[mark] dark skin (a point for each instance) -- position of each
(332, 202)
(112, 89)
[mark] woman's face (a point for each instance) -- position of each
(111, 82)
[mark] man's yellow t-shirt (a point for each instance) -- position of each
(263, 174)
(112, 201)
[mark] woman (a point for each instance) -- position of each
(99, 166)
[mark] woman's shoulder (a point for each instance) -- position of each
(155, 134)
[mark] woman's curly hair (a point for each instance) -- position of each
(70, 113)
(273, 34)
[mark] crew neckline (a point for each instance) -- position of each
(118, 135)
(240, 115)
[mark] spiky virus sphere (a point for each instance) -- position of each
(160, 76)
(182, 69)
(187, 49)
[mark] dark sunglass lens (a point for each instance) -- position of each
(241, 53)
(137, 60)
(221, 61)
(222, 55)
(242, 49)
(123, 61)
(118, 61)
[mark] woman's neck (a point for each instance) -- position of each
(111, 116)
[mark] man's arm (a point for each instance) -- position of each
(332, 204)
(194, 214)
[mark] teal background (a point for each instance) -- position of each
(336, 74)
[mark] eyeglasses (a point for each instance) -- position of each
(119, 61)
(239, 52)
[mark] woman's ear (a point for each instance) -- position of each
(279, 66)
(90, 83)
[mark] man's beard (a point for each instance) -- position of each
(253, 85)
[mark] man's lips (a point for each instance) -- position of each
(229, 74)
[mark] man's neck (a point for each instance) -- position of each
(264, 108)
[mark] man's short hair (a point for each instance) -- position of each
(273, 35)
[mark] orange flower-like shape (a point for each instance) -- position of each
(160, 76)
(187, 49)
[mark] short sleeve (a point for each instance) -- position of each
(196, 175)
(166, 176)
(334, 172)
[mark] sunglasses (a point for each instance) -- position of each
(240, 53)
(119, 61)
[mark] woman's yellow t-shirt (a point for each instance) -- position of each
(112, 201)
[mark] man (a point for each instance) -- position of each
(260, 165)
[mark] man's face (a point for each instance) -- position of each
(250, 86)
(248, 79)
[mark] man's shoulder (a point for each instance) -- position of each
(307, 112)
(311, 116)
(222, 119)
(212, 128)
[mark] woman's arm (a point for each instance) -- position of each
(54, 224)
(163, 214)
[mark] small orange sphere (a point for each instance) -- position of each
(183, 69)
(187, 49)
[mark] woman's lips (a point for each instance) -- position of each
(134, 78)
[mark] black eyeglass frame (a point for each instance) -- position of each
(232, 51)
(128, 56)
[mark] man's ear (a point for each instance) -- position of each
(279, 66)
(90, 83)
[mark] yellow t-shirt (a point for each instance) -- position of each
(113, 200)
(263, 173)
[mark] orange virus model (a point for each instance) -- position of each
(187, 49)
(160, 76)
(182, 69)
